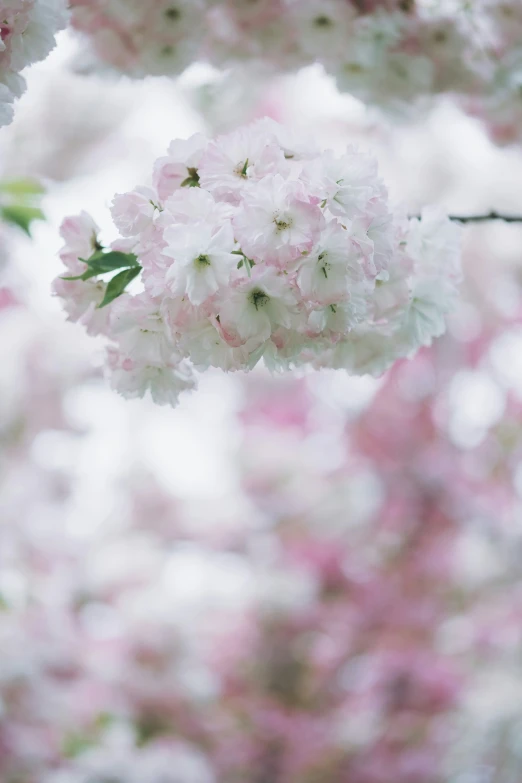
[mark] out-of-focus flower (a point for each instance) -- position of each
(389, 53)
(27, 35)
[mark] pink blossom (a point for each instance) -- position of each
(133, 212)
(278, 221)
(180, 164)
(27, 35)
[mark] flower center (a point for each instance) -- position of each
(202, 261)
(258, 298)
(241, 169)
(282, 222)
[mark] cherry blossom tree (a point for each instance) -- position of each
(339, 602)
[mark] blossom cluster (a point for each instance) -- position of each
(257, 245)
(388, 53)
(27, 35)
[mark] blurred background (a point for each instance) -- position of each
(309, 579)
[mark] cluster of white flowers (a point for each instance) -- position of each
(253, 246)
(27, 35)
(388, 53)
(499, 101)
(353, 39)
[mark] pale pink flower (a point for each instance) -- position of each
(209, 345)
(138, 326)
(134, 212)
(80, 299)
(233, 160)
(80, 234)
(333, 270)
(133, 379)
(278, 221)
(257, 305)
(27, 35)
(179, 166)
(194, 205)
(202, 260)
(348, 184)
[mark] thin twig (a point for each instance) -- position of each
(483, 218)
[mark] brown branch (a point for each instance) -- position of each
(486, 218)
(480, 218)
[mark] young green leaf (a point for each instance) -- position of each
(117, 285)
(21, 188)
(111, 261)
(21, 216)
(192, 181)
(100, 263)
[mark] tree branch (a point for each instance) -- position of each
(486, 218)
(481, 218)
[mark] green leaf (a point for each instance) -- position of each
(20, 188)
(98, 253)
(100, 263)
(21, 216)
(192, 181)
(111, 261)
(117, 285)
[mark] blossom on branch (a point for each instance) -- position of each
(251, 248)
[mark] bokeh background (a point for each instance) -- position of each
(309, 579)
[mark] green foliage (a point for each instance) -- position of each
(192, 181)
(21, 188)
(101, 262)
(21, 216)
(118, 284)
(20, 202)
